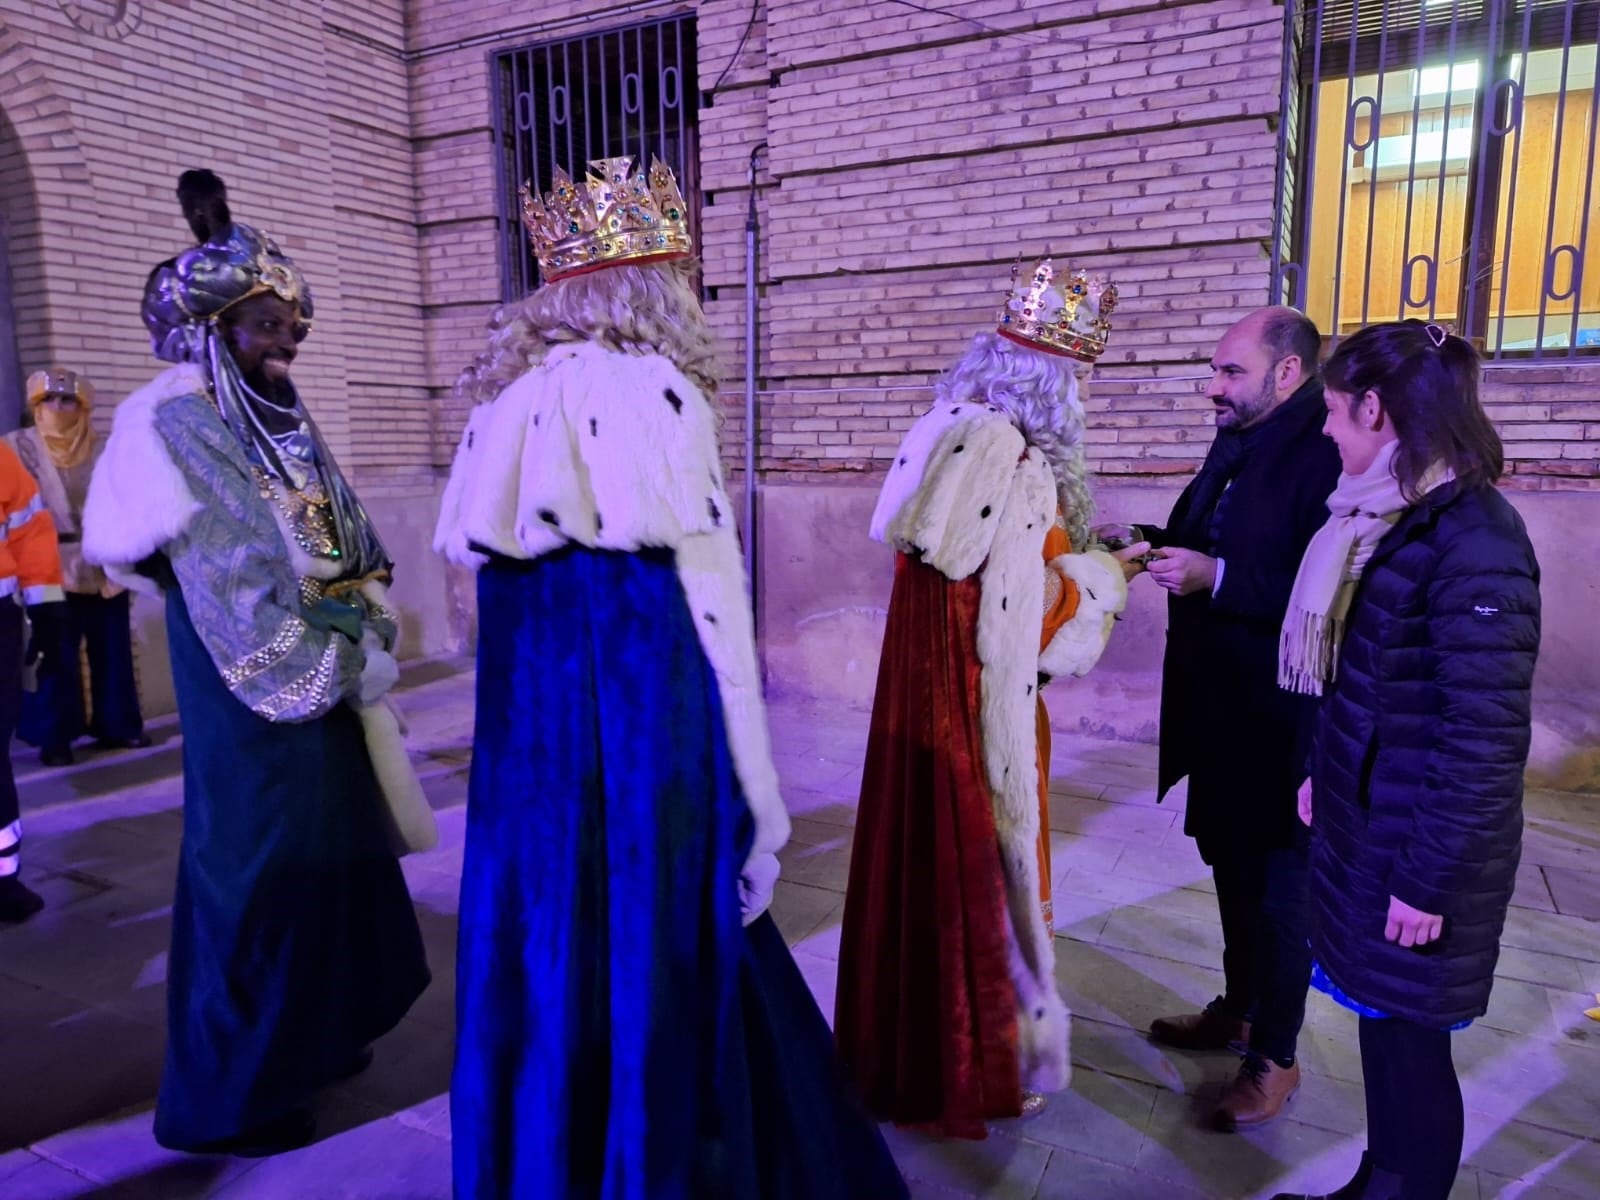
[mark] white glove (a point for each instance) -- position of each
(756, 883)
(380, 672)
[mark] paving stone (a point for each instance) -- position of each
(1552, 844)
(1078, 1174)
(1576, 893)
(1104, 1114)
(1066, 785)
(82, 1064)
(1519, 1007)
(1081, 852)
(1542, 1159)
(1555, 971)
(1533, 889)
(1180, 1147)
(1175, 862)
(1116, 1050)
(15, 1162)
(45, 1181)
(799, 909)
(1515, 1078)
(1125, 987)
(1164, 935)
(1117, 891)
(121, 1151)
(1145, 797)
(1000, 1167)
(382, 1158)
(410, 1067)
(1098, 818)
(821, 867)
(82, 990)
(1552, 933)
(832, 808)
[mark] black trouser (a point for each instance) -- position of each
(10, 705)
(1266, 956)
(52, 717)
(1415, 1118)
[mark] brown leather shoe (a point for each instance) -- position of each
(1256, 1095)
(1206, 1030)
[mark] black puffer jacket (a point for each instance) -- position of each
(1419, 754)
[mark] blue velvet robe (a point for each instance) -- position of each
(294, 941)
(620, 1034)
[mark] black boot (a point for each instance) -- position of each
(18, 902)
(1356, 1189)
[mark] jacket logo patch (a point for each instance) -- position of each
(1485, 610)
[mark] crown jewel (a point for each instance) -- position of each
(613, 216)
(1070, 316)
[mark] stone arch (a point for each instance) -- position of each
(47, 204)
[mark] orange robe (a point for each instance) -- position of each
(1060, 606)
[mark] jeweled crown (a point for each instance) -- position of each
(615, 215)
(1070, 315)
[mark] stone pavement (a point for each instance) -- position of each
(81, 994)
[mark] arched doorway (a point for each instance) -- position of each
(16, 193)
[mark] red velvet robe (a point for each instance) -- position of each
(926, 1013)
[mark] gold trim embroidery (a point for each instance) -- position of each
(311, 689)
(269, 656)
(308, 512)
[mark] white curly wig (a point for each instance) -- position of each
(1042, 395)
(650, 308)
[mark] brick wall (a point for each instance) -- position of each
(303, 109)
(910, 158)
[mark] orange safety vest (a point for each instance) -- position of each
(30, 561)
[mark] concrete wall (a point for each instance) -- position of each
(825, 588)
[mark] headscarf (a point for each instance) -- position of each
(68, 435)
(183, 301)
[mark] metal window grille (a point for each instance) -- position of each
(1439, 160)
(560, 104)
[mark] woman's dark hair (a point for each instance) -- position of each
(1427, 381)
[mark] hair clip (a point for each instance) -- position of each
(1436, 335)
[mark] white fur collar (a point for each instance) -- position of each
(619, 451)
(610, 450)
(138, 499)
(949, 483)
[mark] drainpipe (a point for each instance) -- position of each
(751, 228)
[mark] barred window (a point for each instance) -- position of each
(560, 104)
(1443, 168)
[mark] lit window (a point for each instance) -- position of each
(1458, 191)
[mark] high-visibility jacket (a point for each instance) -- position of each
(30, 561)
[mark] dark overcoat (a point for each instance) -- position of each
(1418, 757)
(1224, 722)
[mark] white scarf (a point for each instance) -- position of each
(1363, 508)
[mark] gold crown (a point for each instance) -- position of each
(1070, 317)
(613, 216)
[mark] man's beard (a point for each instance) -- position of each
(279, 392)
(1246, 415)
